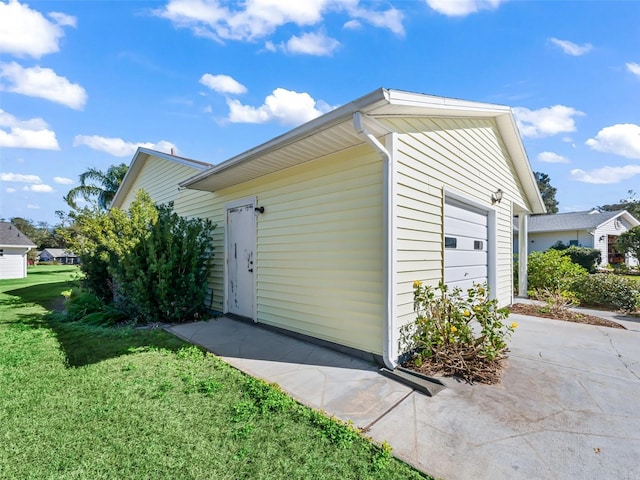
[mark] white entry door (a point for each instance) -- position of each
(465, 245)
(241, 240)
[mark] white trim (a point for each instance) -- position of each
(389, 269)
(137, 164)
(492, 235)
(523, 254)
(225, 301)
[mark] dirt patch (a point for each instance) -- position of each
(474, 370)
(564, 315)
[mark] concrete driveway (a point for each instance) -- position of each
(568, 406)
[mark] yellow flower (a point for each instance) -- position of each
(417, 284)
(467, 313)
(453, 329)
(514, 325)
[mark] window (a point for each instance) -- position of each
(1, 252)
(573, 243)
(478, 244)
(450, 242)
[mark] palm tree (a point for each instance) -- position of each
(97, 186)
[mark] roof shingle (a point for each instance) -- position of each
(10, 236)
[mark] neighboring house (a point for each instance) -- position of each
(323, 230)
(592, 229)
(60, 255)
(14, 246)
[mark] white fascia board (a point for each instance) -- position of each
(308, 129)
(465, 107)
(137, 162)
(630, 218)
(512, 140)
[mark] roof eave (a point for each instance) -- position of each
(305, 130)
(136, 164)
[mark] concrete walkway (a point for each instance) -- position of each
(568, 406)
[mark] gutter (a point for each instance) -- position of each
(389, 232)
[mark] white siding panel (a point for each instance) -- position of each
(13, 263)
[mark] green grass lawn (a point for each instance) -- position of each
(80, 402)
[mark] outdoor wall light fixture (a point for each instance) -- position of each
(497, 196)
(259, 210)
(601, 238)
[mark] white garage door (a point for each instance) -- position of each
(465, 245)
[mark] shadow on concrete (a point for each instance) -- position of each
(238, 339)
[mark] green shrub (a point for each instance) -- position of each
(97, 278)
(459, 333)
(587, 258)
(86, 307)
(150, 262)
(80, 304)
(164, 277)
(607, 290)
(552, 270)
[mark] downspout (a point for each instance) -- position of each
(388, 226)
(523, 254)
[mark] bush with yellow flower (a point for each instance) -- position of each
(456, 332)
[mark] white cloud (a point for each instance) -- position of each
(32, 133)
(119, 147)
(352, 25)
(32, 206)
(605, 175)
(42, 83)
(571, 48)
(10, 190)
(284, 106)
(312, 44)
(40, 188)
(622, 139)
(222, 84)
(63, 19)
(63, 180)
(546, 121)
(257, 19)
(19, 177)
(390, 19)
(634, 68)
(550, 157)
(460, 8)
(26, 32)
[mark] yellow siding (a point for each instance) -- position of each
(465, 155)
(319, 251)
(159, 178)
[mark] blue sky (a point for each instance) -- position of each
(82, 84)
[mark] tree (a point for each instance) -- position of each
(39, 233)
(102, 239)
(97, 186)
(547, 191)
(148, 261)
(629, 242)
(631, 204)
